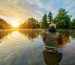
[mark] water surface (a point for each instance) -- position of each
(26, 47)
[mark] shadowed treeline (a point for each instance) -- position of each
(4, 24)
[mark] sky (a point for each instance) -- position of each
(20, 10)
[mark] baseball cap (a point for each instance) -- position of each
(52, 25)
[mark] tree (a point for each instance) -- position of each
(62, 19)
(44, 23)
(31, 23)
(4, 24)
(73, 24)
(50, 17)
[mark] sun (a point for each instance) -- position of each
(15, 24)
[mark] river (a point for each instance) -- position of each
(26, 47)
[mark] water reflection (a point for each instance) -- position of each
(3, 33)
(65, 36)
(26, 47)
(31, 34)
(72, 33)
(17, 49)
(52, 58)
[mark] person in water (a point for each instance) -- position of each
(52, 38)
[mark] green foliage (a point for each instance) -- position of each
(73, 24)
(31, 23)
(50, 17)
(62, 19)
(44, 23)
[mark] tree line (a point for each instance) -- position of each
(62, 20)
(31, 23)
(4, 24)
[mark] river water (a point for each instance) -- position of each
(26, 47)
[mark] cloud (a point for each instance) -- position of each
(23, 9)
(69, 5)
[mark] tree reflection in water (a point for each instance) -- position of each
(31, 34)
(65, 36)
(17, 50)
(3, 33)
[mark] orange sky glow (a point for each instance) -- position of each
(21, 10)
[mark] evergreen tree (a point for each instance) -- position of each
(44, 23)
(50, 17)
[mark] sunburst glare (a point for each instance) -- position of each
(15, 24)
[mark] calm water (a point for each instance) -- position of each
(26, 47)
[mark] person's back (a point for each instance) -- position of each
(51, 41)
(51, 38)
